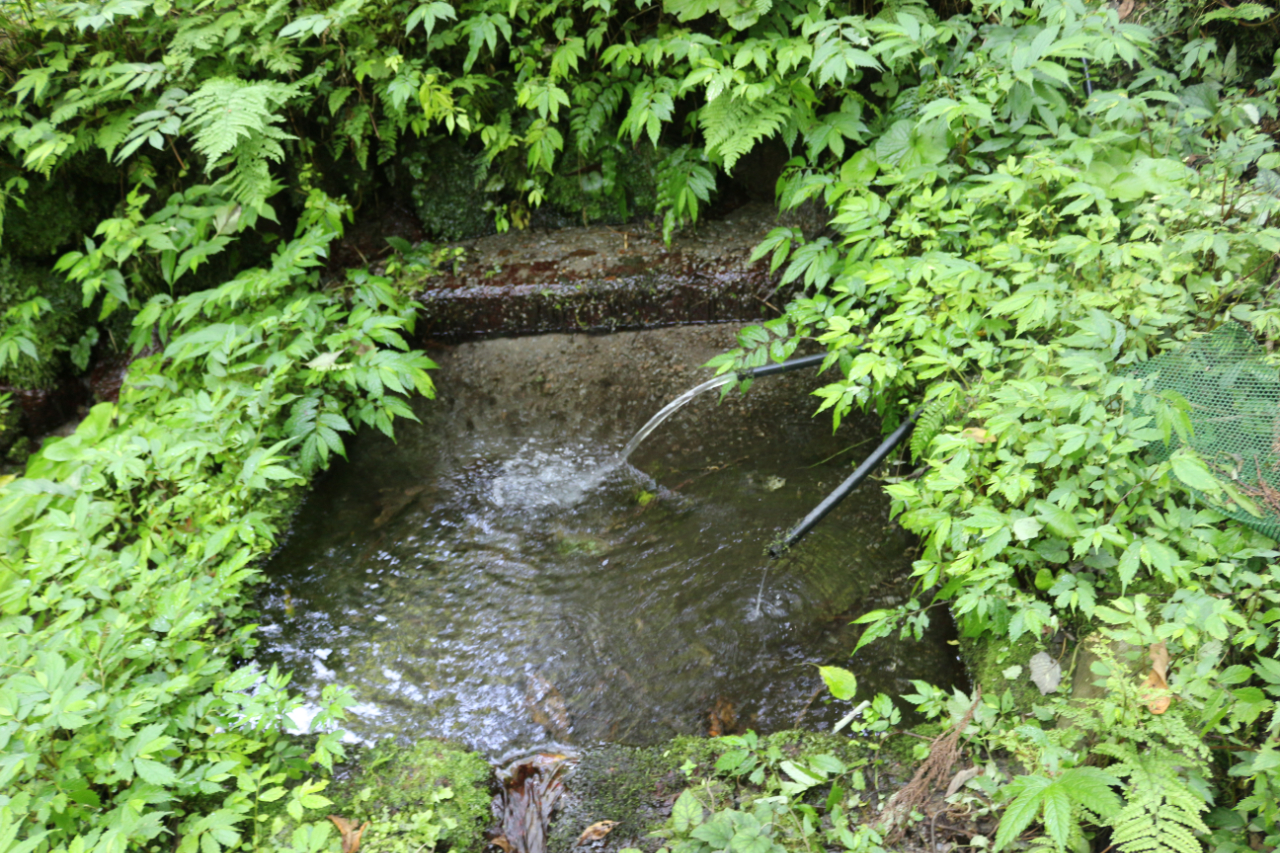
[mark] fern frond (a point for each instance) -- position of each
(732, 125)
(227, 112)
(929, 424)
(1161, 812)
(595, 107)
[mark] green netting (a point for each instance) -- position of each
(1234, 398)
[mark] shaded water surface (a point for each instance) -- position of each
(498, 578)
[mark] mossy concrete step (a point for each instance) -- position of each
(603, 278)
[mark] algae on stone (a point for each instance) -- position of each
(394, 782)
(999, 665)
(445, 194)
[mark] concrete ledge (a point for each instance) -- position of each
(601, 278)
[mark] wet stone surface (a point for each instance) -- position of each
(499, 578)
(603, 278)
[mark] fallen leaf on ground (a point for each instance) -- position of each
(958, 780)
(1157, 680)
(981, 436)
(530, 790)
(350, 832)
(1123, 9)
(502, 844)
(596, 831)
(1046, 673)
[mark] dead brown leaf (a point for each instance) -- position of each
(1124, 8)
(978, 434)
(958, 780)
(350, 832)
(724, 719)
(393, 501)
(1155, 686)
(530, 790)
(502, 844)
(596, 831)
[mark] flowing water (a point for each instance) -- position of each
(499, 577)
(670, 409)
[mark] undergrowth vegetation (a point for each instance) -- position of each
(127, 715)
(1024, 200)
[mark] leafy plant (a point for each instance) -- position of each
(128, 547)
(1060, 803)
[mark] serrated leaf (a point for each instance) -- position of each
(154, 772)
(1191, 470)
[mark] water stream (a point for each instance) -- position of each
(670, 409)
(499, 577)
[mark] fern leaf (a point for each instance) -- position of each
(1161, 812)
(930, 424)
(733, 125)
(226, 112)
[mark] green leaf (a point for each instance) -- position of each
(1022, 810)
(1027, 529)
(686, 812)
(1057, 812)
(154, 772)
(1191, 470)
(841, 682)
(717, 832)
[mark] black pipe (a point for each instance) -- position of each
(784, 367)
(842, 491)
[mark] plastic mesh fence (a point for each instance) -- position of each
(1234, 398)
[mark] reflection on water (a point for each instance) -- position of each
(497, 577)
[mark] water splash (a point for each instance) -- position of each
(671, 408)
(537, 478)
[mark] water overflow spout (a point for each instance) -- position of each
(718, 382)
(832, 500)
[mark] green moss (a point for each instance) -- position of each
(622, 783)
(53, 333)
(445, 194)
(393, 780)
(10, 416)
(900, 748)
(620, 184)
(988, 658)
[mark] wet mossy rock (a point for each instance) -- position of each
(391, 779)
(988, 658)
(446, 193)
(56, 213)
(628, 784)
(621, 185)
(602, 278)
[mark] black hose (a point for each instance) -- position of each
(842, 491)
(784, 367)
